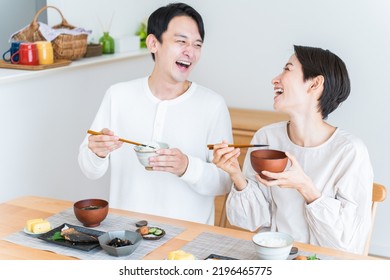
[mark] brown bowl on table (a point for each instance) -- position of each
(91, 212)
(268, 160)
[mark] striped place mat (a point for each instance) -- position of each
(112, 222)
(207, 243)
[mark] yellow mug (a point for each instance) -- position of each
(45, 52)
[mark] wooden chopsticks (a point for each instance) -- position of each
(211, 146)
(121, 139)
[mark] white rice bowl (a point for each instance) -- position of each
(272, 245)
(144, 153)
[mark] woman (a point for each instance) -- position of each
(324, 195)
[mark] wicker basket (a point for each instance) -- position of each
(65, 46)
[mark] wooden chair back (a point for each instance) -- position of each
(379, 194)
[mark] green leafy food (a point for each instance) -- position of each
(57, 236)
(313, 257)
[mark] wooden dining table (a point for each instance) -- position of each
(16, 212)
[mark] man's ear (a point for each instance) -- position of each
(317, 83)
(151, 43)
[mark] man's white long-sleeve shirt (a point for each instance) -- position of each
(189, 122)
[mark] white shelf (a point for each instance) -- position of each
(12, 75)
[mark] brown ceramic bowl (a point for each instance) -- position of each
(269, 160)
(91, 212)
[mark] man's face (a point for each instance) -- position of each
(180, 49)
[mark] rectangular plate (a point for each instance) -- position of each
(85, 247)
(218, 257)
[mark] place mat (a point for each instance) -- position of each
(208, 243)
(111, 223)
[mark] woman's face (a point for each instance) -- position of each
(291, 91)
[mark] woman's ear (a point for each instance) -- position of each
(317, 83)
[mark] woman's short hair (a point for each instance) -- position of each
(337, 86)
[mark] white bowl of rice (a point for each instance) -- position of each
(272, 245)
(147, 151)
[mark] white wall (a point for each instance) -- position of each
(46, 118)
(247, 43)
(122, 16)
(25, 11)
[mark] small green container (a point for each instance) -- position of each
(107, 43)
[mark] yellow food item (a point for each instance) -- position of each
(38, 226)
(41, 227)
(31, 222)
(180, 255)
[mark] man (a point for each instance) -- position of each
(164, 107)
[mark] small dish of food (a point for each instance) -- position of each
(269, 160)
(151, 232)
(147, 151)
(272, 245)
(73, 237)
(120, 243)
(91, 212)
(37, 227)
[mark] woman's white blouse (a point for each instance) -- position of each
(340, 169)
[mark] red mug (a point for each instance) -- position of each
(28, 54)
